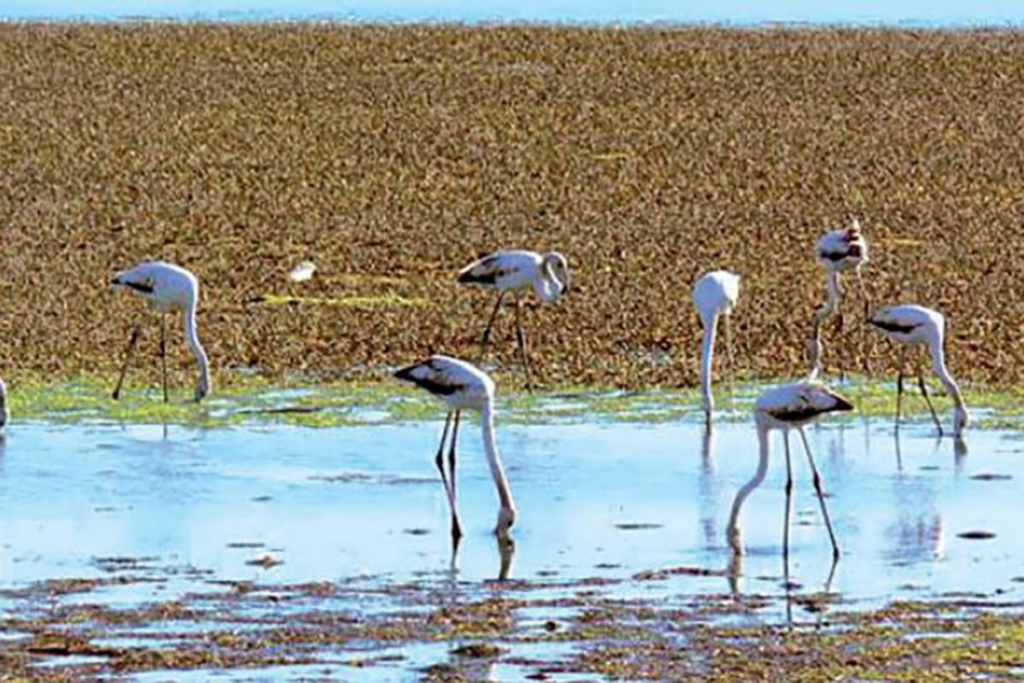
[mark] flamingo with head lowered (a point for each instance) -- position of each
(913, 325)
(518, 271)
(5, 409)
(463, 387)
(167, 288)
(837, 251)
(715, 295)
(788, 407)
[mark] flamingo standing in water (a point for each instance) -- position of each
(838, 251)
(911, 325)
(5, 409)
(463, 387)
(517, 272)
(715, 295)
(787, 407)
(167, 288)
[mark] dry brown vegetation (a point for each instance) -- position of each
(395, 155)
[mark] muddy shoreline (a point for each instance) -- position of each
(67, 630)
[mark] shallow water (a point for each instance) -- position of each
(191, 508)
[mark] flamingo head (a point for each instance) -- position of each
(558, 267)
(202, 387)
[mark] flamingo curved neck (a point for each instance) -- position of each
(822, 314)
(755, 481)
(833, 292)
(192, 339)
(938, 355)
(548, 287)
(5, 409)
(491, 450)
(707, 353)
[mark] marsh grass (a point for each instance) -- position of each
(393, 155)
(255, 400)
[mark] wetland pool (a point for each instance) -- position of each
(629, 511)
(594, 500)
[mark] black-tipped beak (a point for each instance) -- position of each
(404, 374)
(843, 404)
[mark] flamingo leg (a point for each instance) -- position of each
(456, 529)
(506, 551)
(136, 331)
(521, 339)
(864, 295)
(928, 400)
(844, 344)
(867, 315)
(789, 499)
(842, 330)
(439, 461)
(819, 489)
(899, 388)
(163, 351)
(814, 347)
(490, 324)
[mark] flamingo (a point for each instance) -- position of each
(715, 295)
(838, 251)
(167, 288)
(5, 409)
(788, 407)
(517, 272)
(912, 325)
(463, 387)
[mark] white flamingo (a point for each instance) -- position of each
(787, 407)
(5, 408)
(912, 325)
(167, 288)
(463, 387)
(837, 251)
(518, 271)
(715, 295)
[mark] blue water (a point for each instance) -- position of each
(602, 506)
(901, 12)
(595, 500)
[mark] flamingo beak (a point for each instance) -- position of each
(843, 404)
(404, 374)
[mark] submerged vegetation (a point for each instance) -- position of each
(251, 399)
(63, 629)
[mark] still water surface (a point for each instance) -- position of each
(595, 500)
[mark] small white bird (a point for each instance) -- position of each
(517, 272)
(715, 294)
(167, 288)
(302, 272)
(5, 408)
(786, 407)
(837, 251)
(463, 387)
(911, 325)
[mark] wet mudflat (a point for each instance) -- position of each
(301, 552)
